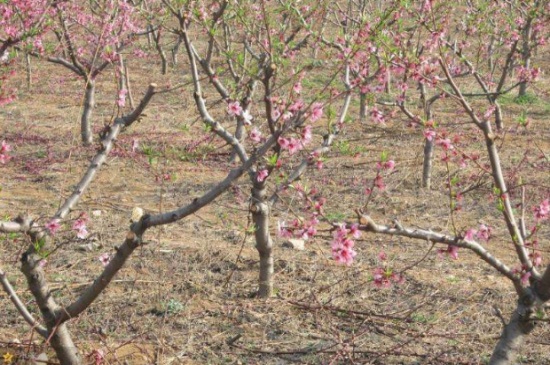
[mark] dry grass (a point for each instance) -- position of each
(187, 296)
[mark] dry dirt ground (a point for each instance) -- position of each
(187, 297)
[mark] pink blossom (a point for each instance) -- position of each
(484, 232)
(53, 226)
(379, 183)
(98, 356)
(379, 278)
(343, 255)
(445, 143)
(297, 106)
(354, 230)
(82, 232)
(469, 235)
(525, 277)
(282, 230)
(121, 101)
(377, 116)
(382, 256)
(429, 134)
(4, 158)
(542, 211)
(283, 142)
(234, 108)
(105, 259)
(4, 147)
(389, 165)
(451, 250)
(383, 278)
(319, 204)
(255, 135)
(536, 258)
(79, 223)
(294, 146)
(262, 174)
(316, 112)
(340, 233)
(297, 88)
(347, 244)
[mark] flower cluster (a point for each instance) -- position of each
(4, 149)
(121, 101)
(484, 233)
(294, 145)
(234, 109)
(79, 225)
(105, 258)
(542, 211)
(451, 251)
(342, 243)
(384, 277)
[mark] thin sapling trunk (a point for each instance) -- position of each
(86, 118)
(260, 210)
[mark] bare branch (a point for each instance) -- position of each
(367, 224)
(21, 307)
(206, 117)
(132, 241)
(107, 144)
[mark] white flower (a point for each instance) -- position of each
(247, 117)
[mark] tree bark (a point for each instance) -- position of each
(525, 54)
(85, 121)
(239, 132)
(260, 215)
(513, 334)
(427, 164)
(362, 108)
(428, 143)
(58, 334)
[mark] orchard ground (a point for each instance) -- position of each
(187, 297)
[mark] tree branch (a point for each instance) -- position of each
(367, 224)
(107, 144)
(21, 307)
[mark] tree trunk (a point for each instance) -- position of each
(63, 345)
(498, 117)
(85, 121)
(260, 215)
(428, 143)
(29, 70)
(525, 54)
(239, 132)
(58, 334)
(175, 51)
(513, 334)
(363, 108)
(427, 164)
